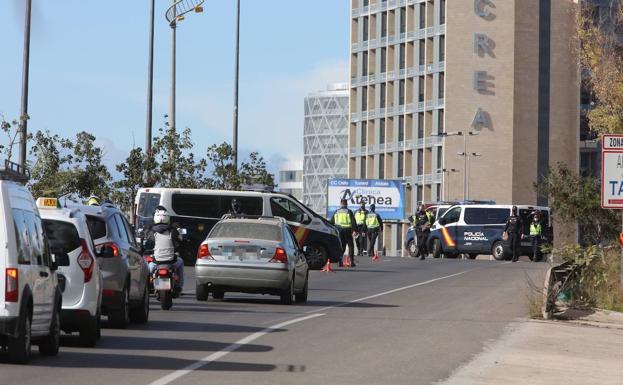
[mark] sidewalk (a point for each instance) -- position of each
(583, 351)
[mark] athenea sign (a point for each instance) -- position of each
(387, 196)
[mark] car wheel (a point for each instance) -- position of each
(287, 294)
(166, 299)
(302, 296)
(412, 248)
(89, 332)
(20, 346)
(316, 256)
(218, 294)
(120, 318)
(49, 345)
(140, 313)
(498, 251)
(436, 248)
(201, 292)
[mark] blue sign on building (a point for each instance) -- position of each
(387, 195)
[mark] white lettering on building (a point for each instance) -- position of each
(483, 46)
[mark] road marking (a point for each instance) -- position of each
(228, 349)
(252, 337)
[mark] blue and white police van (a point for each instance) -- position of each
(477, 229)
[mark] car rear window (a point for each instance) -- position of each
(97, 227)
(147, 204)
(63, 238)
(486, 216)
(265, 231)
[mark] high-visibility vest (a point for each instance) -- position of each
(429, 216)
(342, 218)
(360, 217)
(372, 221)
(535, 229)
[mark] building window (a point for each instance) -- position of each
(383, 91)
(364, 134)
(401, 164)
(422, 15)
(420, 194)
(401, 128)
(442, 12)
(421, 89)
(442, 48)
(363, 168)
(364, 63)
(382, 131)
(420, 162)
(439, 159)
(366, 3)
(442, 85)
(438, 192)
(403, 20)
(382, 166)
(402, 56)
(422, 54)
(383, 59)
(440, 120)
(365, 28)
(420, 125)
(384, 24)
(401, 92)
(364, 98)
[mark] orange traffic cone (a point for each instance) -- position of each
(327, 267)
(376, 257)
(346, 261)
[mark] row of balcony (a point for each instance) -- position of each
(410, 108)
(401, 74)
(382, 6)
(411, 144)
(397, 39)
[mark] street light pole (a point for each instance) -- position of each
(237, 74)
(24, 108)
(172, 90)
(150, 82)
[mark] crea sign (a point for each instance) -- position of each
(387, 195)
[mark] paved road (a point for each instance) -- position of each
(398, 321)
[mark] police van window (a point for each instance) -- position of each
(486, 216)
(248, 205)
(452, 216)
(283, 207)
(197, 205)
(147, 204)
(21, 237)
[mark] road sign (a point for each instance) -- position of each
(612, 172)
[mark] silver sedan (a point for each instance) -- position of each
(252, 256)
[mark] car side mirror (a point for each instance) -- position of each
(53, 262)
(105, 252)
(305, 219)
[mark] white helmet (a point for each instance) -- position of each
(161, 216)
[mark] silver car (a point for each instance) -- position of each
(252, 256)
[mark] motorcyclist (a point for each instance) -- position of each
(166, 239)
(423, 222)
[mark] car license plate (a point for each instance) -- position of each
(162, 284)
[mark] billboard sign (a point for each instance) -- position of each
(387, 195)
(612, 172)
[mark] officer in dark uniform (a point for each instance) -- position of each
(514, 229)
(374, 225)
(235, 209)
(423, 222)
(344, 219)
(360, 219)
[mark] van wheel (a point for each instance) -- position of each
(316, 256)
(201, 292)
(412, 248)
(49, 345)
(20, 346)
(436, 248)
(498, 251)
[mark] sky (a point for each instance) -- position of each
(88, 69)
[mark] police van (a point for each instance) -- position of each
(198, 210)
(477, 229)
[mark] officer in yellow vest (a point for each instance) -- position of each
(536, 233)
(374, 225)
(344, 219)
(360, 219)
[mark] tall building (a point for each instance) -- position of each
(291, 178)
(501, 73)
(325, 140)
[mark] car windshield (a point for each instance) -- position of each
(63, 239)
(265, 231)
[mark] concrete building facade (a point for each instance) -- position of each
(503, 74)
(325, 141)
(291, 178)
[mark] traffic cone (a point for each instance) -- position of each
(376, 257)
(346, 261)
(327, 267)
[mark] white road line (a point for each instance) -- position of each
(228, 349)
(250, 338)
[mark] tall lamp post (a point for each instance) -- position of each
(466, 158)
(236, 75)
(25, 70)
(448, 171)
(175, 14)
(150, 82)
(444, 135)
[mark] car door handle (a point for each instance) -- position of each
(43, 274)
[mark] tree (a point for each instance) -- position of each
(221, 161)
(254, 171)
(136, 168)
(177, 166)
(601, 58)
(49, 176)
(89, 175)
(11, 130)
(573, 198)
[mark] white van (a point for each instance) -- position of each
(30, 298)
(198, 210)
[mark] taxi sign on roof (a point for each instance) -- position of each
(47, 203)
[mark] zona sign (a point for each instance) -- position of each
(612, 172)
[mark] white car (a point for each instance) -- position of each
(79, 273)
(30, 298)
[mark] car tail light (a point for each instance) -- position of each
(280, 256)
(163, 272)
(148, 258)
(116, 251)
(85, 261)
(204, 252)
(11, 292)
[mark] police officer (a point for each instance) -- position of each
(514, 230)
(360, 219)
(93, 201)
(374, 225)
(235, 209)
(344, 219)
(423, 222)
(536, 233)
